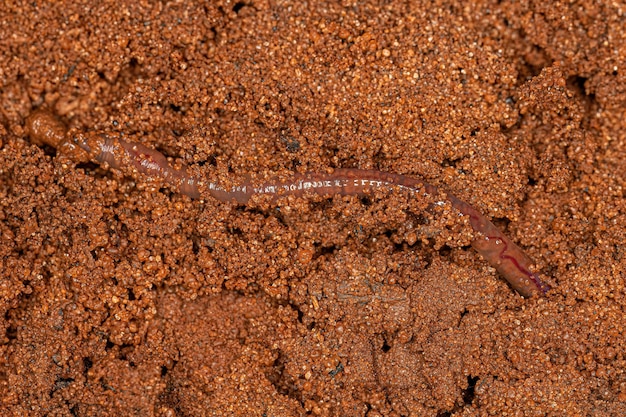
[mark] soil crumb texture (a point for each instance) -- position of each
(120, 295)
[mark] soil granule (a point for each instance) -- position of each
(118, 297)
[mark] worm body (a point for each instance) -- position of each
(135, 159)
(504, 255)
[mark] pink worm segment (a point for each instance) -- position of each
(149, 162)
(135, 159)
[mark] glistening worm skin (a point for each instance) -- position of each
(134, 160)
(129, 157)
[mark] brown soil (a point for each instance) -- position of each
(120, 299)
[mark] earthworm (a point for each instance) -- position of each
(134, 159)
(131, 158)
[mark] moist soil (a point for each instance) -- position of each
(119, 297)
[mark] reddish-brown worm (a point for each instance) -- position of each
(136, 160)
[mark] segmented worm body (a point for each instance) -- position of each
(137, 160)
(129, 157)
